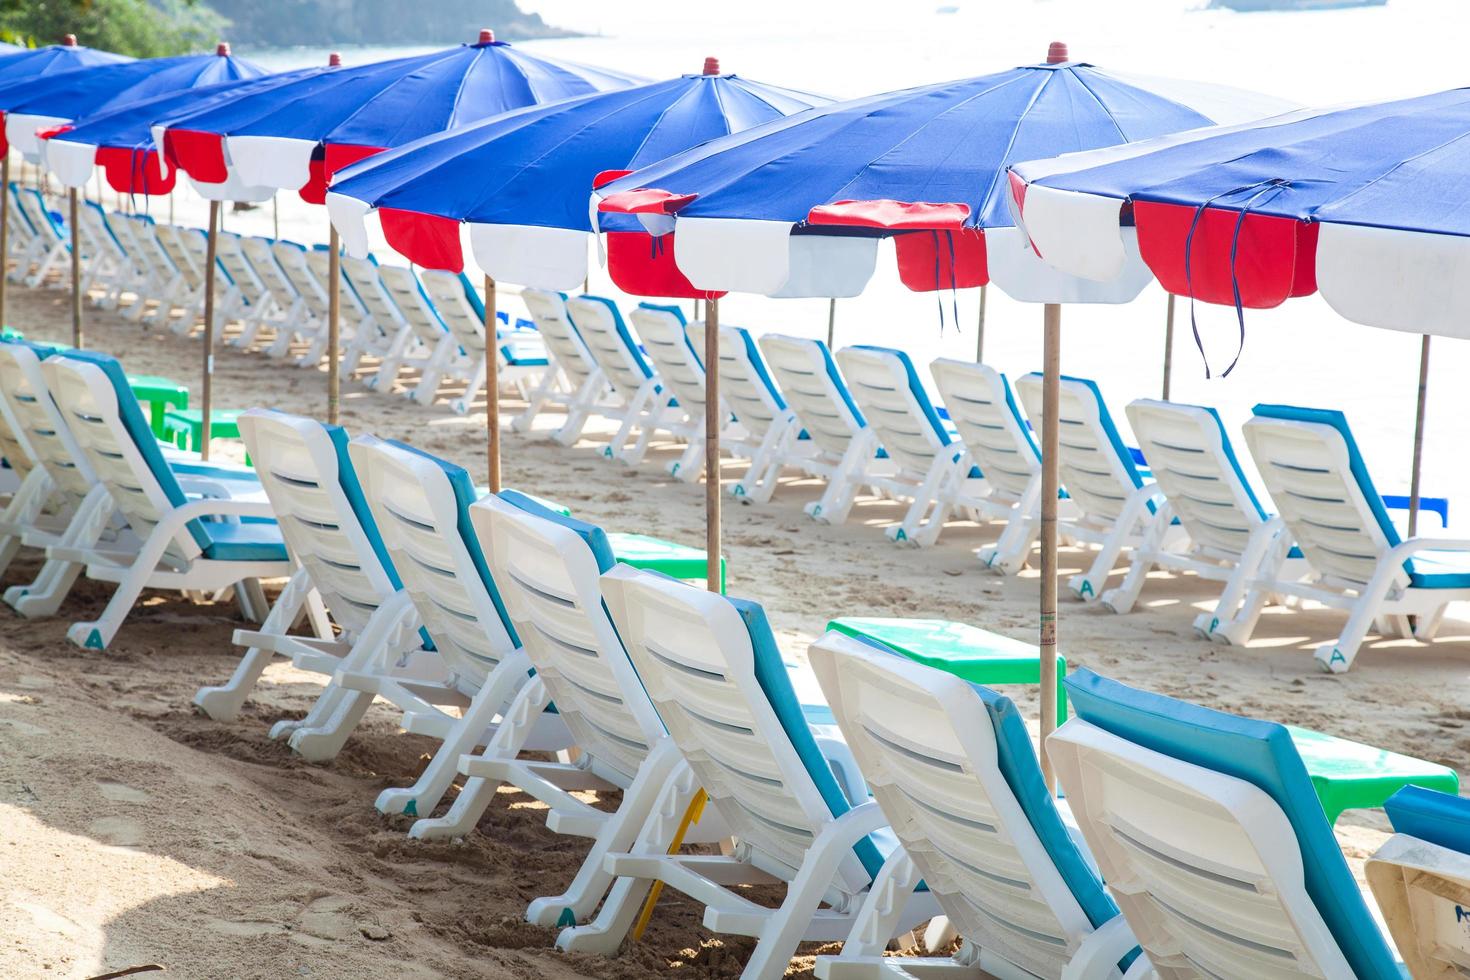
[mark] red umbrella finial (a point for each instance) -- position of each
(1057, 53)
(487, 36)
(68, 40)
(334, 60)
(711, 66)
(222, 49)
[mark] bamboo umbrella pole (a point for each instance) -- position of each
(1418, 435)
(1050, 397)
(334, 324)
(980, 328)
(712, 443)
(76, 271)
(4, 232)
(492, 385)
(831, 321)
(208, 386)
(1168, 347)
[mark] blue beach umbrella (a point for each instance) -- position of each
(1370, 206)
(32, 63)
(294, 137)
(795, 208)
(33, 104)
(520, 180)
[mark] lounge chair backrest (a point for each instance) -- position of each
(109, 426)
(1193, 462)
(954, 769)
(97, 230)
(421, 505)
(661, 328)
(459, 306)
(814, 389)
(548, 566)
(20, 224)
(412, 302)
(745, 383)
(149, 235)
(1320, 485)
(313, 489)
(262, 257)
(1096, 468)
(602, 329)
(1212, 840)
(984, 412)
(174, 240)
(713, 670)
(138, 242)
(886, 387)
(38, 215)
(291, 258)
(32, 432)
(319, 261)
(237, 266)
(549, 313)
(1421, 878)
(367, 285)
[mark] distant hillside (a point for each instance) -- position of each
(292, 22)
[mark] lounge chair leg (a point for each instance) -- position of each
(1010, 553)
(1238, 628)
(251, 597)
(929, 500)
(690, 466)
(878, 920)
(648, 427)
(44, 595)
(1258, 549)
(1089, 585)
(1145, 556)
(836, 502)
(616, 837)
(98, 633)
(223, 703)
(787, 926)
(25, 506)
(472, 388)
(534, 404)
(759, 481)
(334, 717)
(1426, 626)
(1338, 657)
(605, 933)
(424, 795)
(614, 449)
(510, 736)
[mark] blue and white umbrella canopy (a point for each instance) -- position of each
(296, 136)
(120, 140)
(34, 104)
(795, 207)
(19, 64)
(1369, 205)
(520, 181)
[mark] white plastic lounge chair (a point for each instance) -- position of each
(343, 567)
(105, 263)
(1204, 488)
(840, 446)
(162, 277)
(1111, 505)
(204, 528)
(188, 249)
(984, 413)
(1421, 879)
(585, 387)
(420, 504)
(424, 336)
(764, 427)
(713, 671)
(381, 331)
(310, 323)
(22, 234)
(520, 355)
(927, 464)
(549, 565)
(681, 383)
(55, 477)
(244, 295)
(955, 771)
(144, 273)
(52, 241)
(1319, 482)
(1212, 840)
(286, 306)
(635, 387)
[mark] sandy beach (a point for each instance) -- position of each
(138, 832)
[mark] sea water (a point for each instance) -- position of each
(1301, 353)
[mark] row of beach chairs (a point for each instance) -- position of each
(879, 792)
(421, 327)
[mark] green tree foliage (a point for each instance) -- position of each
(141, 28)
(316, 22)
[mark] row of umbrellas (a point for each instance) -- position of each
(711, 183)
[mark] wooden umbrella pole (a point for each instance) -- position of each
(276, 217)
(980, 327)
(4, 232)
(1050, 396)
(1168, 346)
(831, 321)
(492, 385)
(1418, 435)
(712, 550)
(334, 325)
(208, 387)
(76, 271)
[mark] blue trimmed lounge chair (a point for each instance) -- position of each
(1421, 878)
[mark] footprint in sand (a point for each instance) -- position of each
(325, 918)
(118, 792)
(117, 831)
(246, 928)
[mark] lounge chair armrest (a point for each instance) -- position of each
(1099, 953)
(213, 507)
(1413, 546)
(844, 766)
